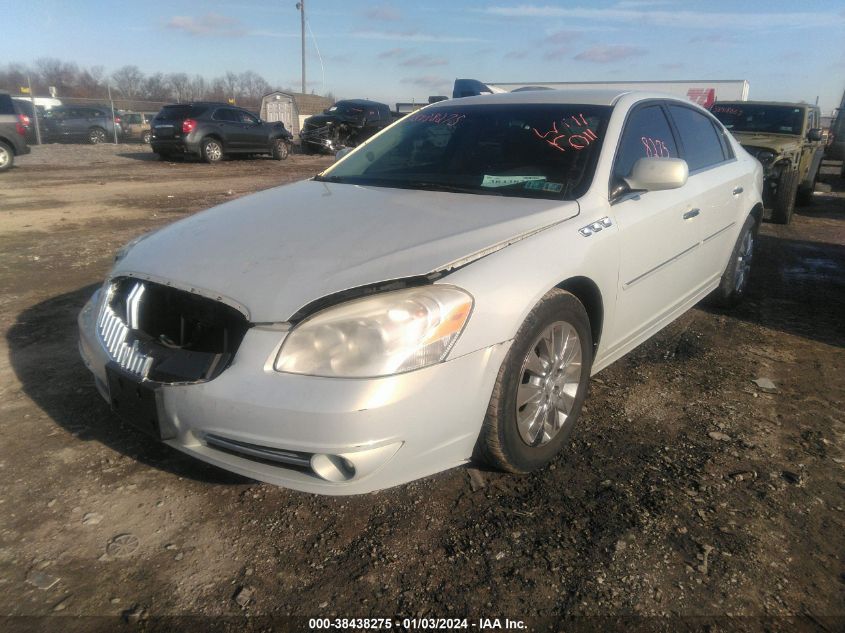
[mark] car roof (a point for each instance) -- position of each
(580, 96)
(791, 104)
(360, 102)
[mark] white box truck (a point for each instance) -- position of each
(703, 92)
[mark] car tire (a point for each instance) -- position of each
(96, 135)
(212, 150)
(784, 203)
(734, 282)
(805, 194)
(7, 157)
(281, 149)
(146, 138)
(531, 413)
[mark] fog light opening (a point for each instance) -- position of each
(332, 467)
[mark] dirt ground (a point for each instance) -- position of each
(687, 490)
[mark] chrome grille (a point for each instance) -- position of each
(114, 333)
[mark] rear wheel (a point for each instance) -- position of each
(212, 150)
(146, 137)
(281, 149)
(7, 157)
(96, 135)
(540, 388)
(784, 203)
(734, 281)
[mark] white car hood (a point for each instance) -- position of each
(278, 250)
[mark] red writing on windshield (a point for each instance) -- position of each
(443, 118)
(574, 133)
(726, 110)
(655, 147)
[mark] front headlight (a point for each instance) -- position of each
(381, 335)
(765, 157)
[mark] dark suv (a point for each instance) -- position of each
(214, 130)
(347, 123)
(91, 124)
(12, 132)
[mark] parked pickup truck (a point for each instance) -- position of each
(345, 124)
(787, 139)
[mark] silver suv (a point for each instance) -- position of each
(12, 132)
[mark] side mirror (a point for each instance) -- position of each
(342, 153)
(815, 134)
(658, 174)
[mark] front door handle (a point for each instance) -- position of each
(738, 190)
(691, 213)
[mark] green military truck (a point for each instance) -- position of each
(787, 139)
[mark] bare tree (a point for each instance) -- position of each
(55, 72)
(129, 80)
(178, 83)
(156, 88)
(196, 88)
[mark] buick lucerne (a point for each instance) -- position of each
(441, 294)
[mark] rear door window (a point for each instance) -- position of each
(702, 147)
(6, 105)
(225, 114)
(647, 134)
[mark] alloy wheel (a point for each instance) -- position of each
(4, 157)
(743, 261)
(213, 150)
(549, 379)
(97, 136)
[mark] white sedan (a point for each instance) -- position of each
(439, 295)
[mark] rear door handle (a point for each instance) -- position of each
(691, 213)
(738, 190)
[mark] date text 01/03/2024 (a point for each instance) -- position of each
(414, 624)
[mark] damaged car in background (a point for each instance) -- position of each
(346, 124)
(441, 294)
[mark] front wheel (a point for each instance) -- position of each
(540, 388)
(734, 280)
(784, 203)
(212, 150)
(7, 157)
(96, 135)
(281, 149)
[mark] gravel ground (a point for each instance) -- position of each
(688, 491)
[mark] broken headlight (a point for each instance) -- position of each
(381, 335)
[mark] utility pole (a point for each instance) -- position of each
(34, 111)
(113, 124)
(301, 7)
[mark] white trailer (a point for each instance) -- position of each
(700, 91)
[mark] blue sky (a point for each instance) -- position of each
(399, 51)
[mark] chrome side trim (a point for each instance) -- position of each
(639, 278)
(719, 232)
(302, 460)
(596, 226)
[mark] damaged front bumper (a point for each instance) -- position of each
(315, 434)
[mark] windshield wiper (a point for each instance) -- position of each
(443, 186)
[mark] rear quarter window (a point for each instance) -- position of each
(6, 105)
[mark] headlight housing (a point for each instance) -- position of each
(381, 335)
(765, 157)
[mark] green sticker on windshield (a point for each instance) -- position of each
(539, 185)
(508, 181)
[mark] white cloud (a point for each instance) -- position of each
(384, 13)
(608, 54)
(411, 36)
(424, 61)
(678, 19)
(207, 25)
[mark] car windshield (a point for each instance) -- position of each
(527, 150)
(764, 119)
(346, 109)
